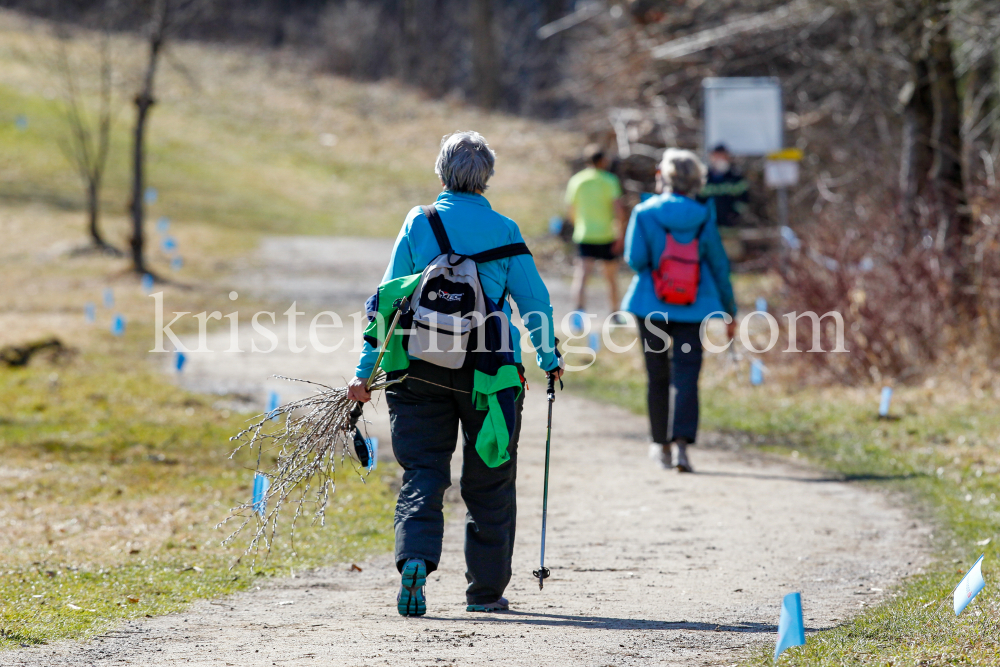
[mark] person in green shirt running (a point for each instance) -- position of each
(593, 198)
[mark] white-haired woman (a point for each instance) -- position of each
(427, 410)
(671, 332)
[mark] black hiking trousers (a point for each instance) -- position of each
(672, 372)
(424, 420)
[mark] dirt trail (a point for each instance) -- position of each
(648, 566)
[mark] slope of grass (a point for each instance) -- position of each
(111, 485)
(943, 453)
(260, 141)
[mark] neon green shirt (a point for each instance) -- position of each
(592, 194)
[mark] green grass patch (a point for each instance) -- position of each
(112, 482)
(942, 453)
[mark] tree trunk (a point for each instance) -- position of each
(947, 176)
(917, 157)
(485, 65)
(94, 213)
(143, 102)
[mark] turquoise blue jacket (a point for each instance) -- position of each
(644, 242)
(473, 226)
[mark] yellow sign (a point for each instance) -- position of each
(787, 154)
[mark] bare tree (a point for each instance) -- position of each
(89, 138)
(165, 17)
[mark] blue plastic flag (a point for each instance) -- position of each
(970, 585)
(147, 283)
(109, 297)
(261, 484)
(756, 373)
(169, 244)
(118, 325)
(179, 360)
(272, 404)
(791, 631)
(163, 224)
(761, 304)
(90, 312)
(372, 453)
(883, 404)
(151, 195)
(176, 263)
(21, 122)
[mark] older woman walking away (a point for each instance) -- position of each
(428, 407)
(682, 278)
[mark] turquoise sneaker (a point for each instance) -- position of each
(411, 601)
(499, 605)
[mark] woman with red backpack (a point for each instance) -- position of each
(682, 279)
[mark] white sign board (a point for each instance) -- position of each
(781, 173)
(744, 113)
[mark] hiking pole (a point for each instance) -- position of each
(402, 306)
(543, 572)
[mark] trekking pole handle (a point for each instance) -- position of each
(403, 307)
(550, 392)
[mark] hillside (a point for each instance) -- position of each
(258, 141)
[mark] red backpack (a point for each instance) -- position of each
(676, 278)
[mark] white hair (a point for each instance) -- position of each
(682, 171)
(465, 162)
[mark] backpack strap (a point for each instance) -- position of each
(503, 252)
(433, 217)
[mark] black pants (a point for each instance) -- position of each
(424, 420)
(672, 389)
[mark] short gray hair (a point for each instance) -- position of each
(465, 162)
(682, 171)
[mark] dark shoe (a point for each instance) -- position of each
(499, 605)
(411, 601)
(682, 464)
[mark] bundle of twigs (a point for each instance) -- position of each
(304, 473)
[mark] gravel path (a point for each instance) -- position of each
(648, 566)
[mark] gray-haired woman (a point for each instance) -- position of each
(428, 408)
(671, 333)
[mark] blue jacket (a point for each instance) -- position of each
(473, 227)
(645, 240)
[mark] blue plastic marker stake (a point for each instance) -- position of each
(761, 304)
(151, 195)
(555, 225)
(109, 297)
(576, 321)
(176, 263)
(147, 283)
(791, 630)
(594, 342)
(179, 360)
(969, 587)
(21, 122)
(90, 312)
(272, 404)
(261, 483)
(169, 244)
(372, 452)
(756, 373)
(163, 224)
(884, 402)
(118, 325)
